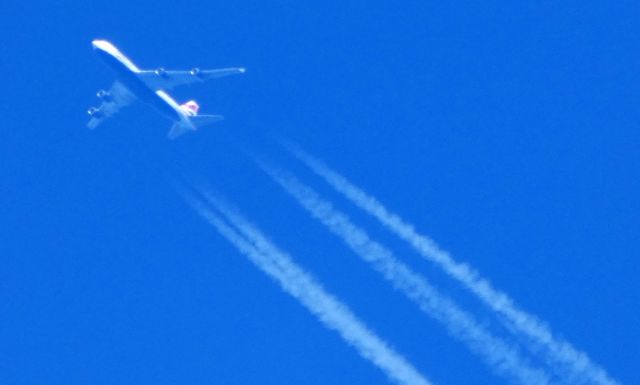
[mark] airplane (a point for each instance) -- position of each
(149, 86)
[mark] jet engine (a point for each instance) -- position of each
(104, 95)
(94, 112)
(161, 72)
(195, 72)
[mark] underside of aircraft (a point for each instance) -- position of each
(150, 87)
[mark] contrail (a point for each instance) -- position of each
(334, 314)
(505, 360)
(570, 363)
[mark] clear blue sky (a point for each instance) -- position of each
(506, 132)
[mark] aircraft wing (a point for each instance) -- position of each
(161, 79)
(113, 100)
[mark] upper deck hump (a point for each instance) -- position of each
(126, 72)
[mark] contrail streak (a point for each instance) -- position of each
(302, 286)
(570, 363)
(505, 360)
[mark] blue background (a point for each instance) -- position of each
(508, 132)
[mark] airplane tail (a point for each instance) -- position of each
(180, 128)
(205, 120)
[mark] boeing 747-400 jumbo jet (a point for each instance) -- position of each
(149, 86)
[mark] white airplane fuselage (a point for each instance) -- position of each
(126, 72)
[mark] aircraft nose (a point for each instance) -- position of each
(98, 44)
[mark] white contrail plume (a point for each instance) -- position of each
(567, 361)
(302, 286)
(504, 359)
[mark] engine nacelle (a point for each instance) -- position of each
(161, 72)
(195, 72)
(104, 95)
(94, 112)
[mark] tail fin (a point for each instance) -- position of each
(180, 128)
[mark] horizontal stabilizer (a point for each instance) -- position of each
(204, 120)
(180, 128)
